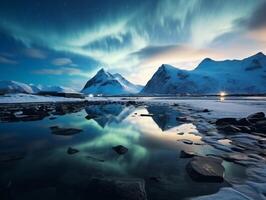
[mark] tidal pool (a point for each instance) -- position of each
(39, 167)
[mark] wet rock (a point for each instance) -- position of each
(256, 117)
(118, 189)
(229, 129)
(244, 122)
(226, 121)
(206, 169)
(185, 141)
(245, 129)
(186, 154)
(205, 110)
(64, 131)
(146, 115)
(120, 149)
(71, 150)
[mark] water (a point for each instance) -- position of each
(44, 170)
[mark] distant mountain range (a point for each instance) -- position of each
(7, 87)
(247, 76)
(109, 84)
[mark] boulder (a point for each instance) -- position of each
(244, 122)
(71, 150)
(206, 169)
(120, 149)
(256, 117)
(226, 121)
(229, 129)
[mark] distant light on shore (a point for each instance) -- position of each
(90, 95)
(222, 94)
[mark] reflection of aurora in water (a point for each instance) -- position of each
(152, 143)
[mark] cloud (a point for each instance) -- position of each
(5, 60)
(35, 53)
(64, 70)
(63, 61)
(258, 17)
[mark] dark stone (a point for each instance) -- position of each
(245, 129)
(226, 121)
(146, 115)
(186, 141)
(119, 149)
(205, 110)
(186, 154)
(71, 150)
(244, 122)
(206, 169)
(229, 129)
(256, 116)
(64, 131)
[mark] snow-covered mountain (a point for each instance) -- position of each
(7, 87)
(58, 89)
(247, 76)
(109, 84)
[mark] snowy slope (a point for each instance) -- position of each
(109, 84)
(14, 87)
(59, 89)
(245, 76)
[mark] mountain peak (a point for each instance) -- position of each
(101, 71)
(260, 54)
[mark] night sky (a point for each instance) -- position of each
(64, 42)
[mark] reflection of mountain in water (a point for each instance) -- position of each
(164, 116)
(108, 113)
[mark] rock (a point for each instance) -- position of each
(205, 110)
(146, 115)
(186, 154)
(244, 122)
(206, 169)
(226, 121)
(64, 131)
(118, 189)
(186, 141)
(120, 149)
(229, 129)
(256, 117)
(72, 151)
(245, 129)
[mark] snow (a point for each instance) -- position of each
(245, 76)
(30, 98)
(59, 89)
(109, 84)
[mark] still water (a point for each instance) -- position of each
(42, 168)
